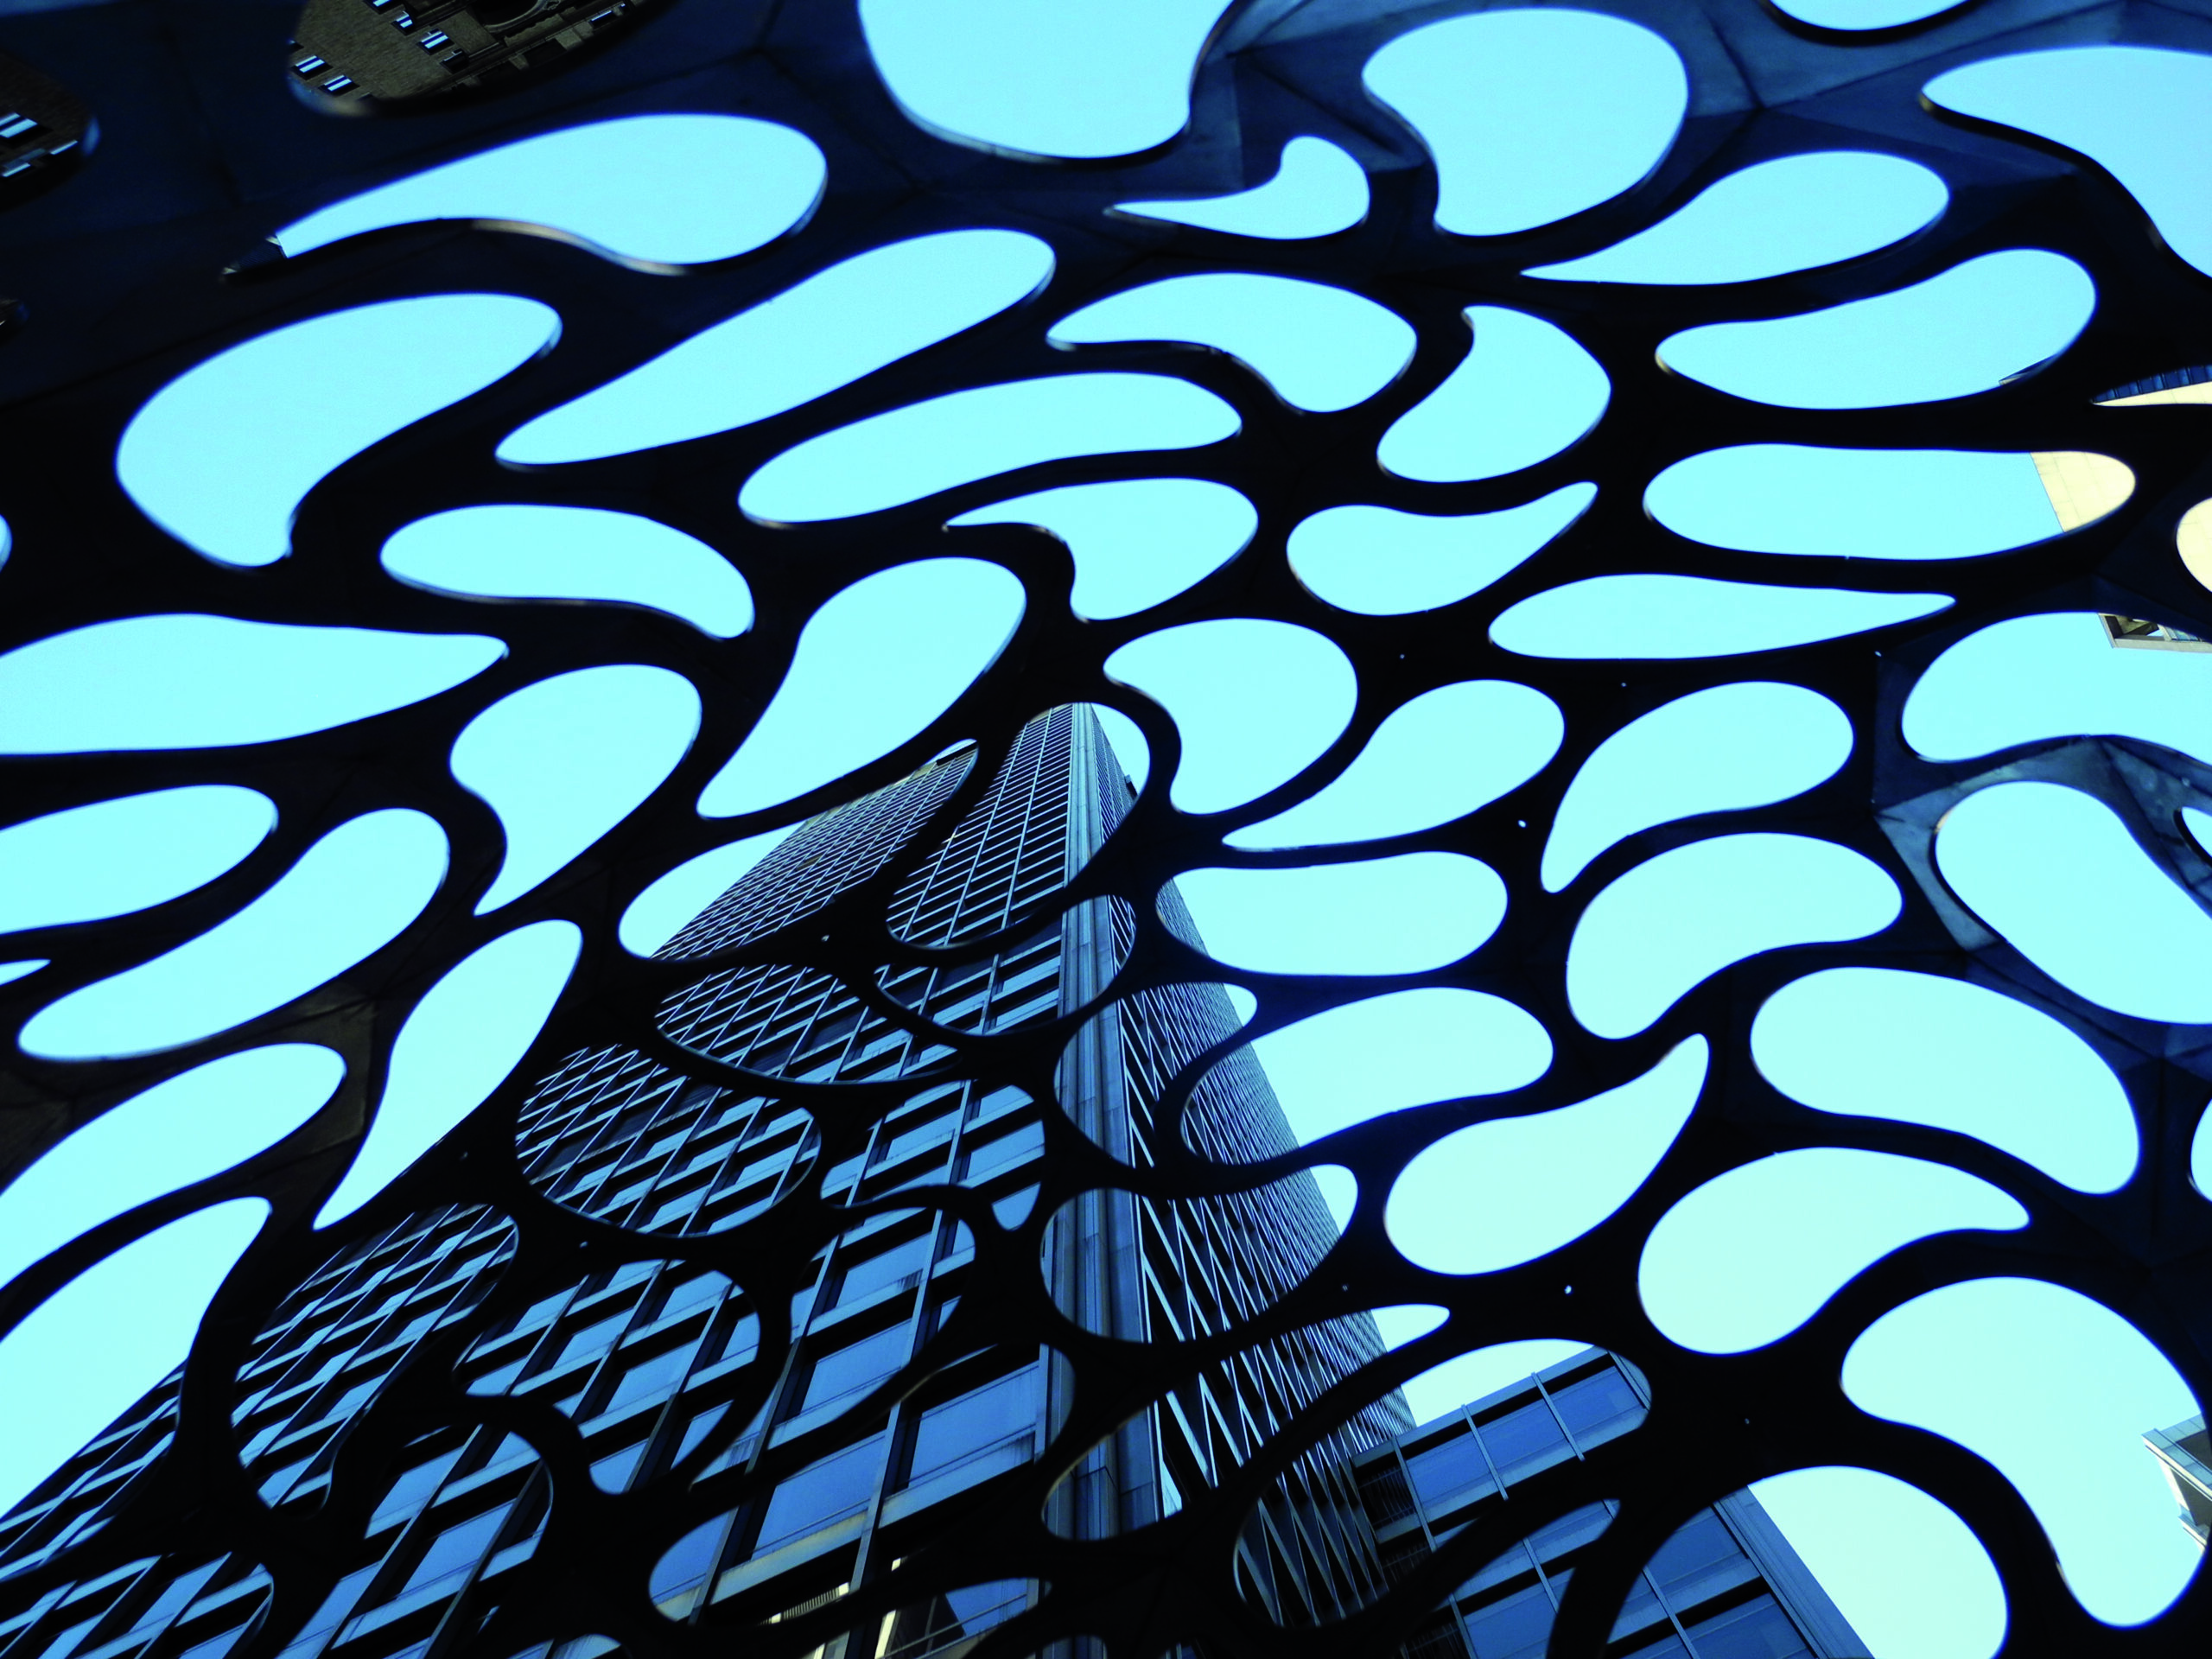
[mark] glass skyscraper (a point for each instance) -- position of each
(759, 1448)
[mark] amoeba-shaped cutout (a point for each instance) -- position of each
(1965, 331)
(566, 759)
(1444, 755)
(1080, 79)
(1864, 14)
(1532, 115)
(1526, 390)
(251, 417)
(184, 1130)
(204, 682)
(80, 1357)
(113, 857)
(1881, 1042)
(1254, 702)
(1675, 920)
(875, 666)
(1909, 1575)
(1713, 751)
(1321, 348)
(1379, 562)
(892, 458)
(719, 186)
(1752, 1254)
(1666, 616)
(827, 332)
(675, 898)
(1790, 214)
(1317, 191)
(2129, 109)
(531, 552)
(1855, 503)
(2055, 1390)
(2025, 857)
(1443, 1042)
(1547, 1178)
(2061, 677)
(1380, 916)
(469, 1030)
(1137, 542)
(351, 894)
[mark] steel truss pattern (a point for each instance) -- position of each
(139, 262)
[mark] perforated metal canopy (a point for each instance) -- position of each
(149, 254)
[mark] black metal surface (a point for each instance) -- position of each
(204, 151)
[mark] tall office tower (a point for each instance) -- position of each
(1725, 1585)
(774, 1425)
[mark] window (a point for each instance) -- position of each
(1523, 1441)
(454, 1552)
(651, 1377)
(839, 1485)
(674, 1210)
(1641, 1607)
(701, 1425)
(678, 1574)
(1009, 1149)
(997, 1103)
(1599, 1407)
(594, 1339)
(275, 1486)
(1701, 1560)
(861, 1366)
(694, 1292)
(980, 1421)
(496, 1381)
(1513, 1561)
(351, 1400)
(871, 1274)
(1447, 1474)
(611, 1473)
(1517, 1627)
(743, 1340)
(954, 1617)
(179, 1590)
(911, 1140)
(1571, 1531)
(1757, 1629)
(412, 1489)
(215, 1646)
(327, 1618)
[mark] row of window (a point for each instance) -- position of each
(1701, 1596)
(1209, 1265)
(829, 855)
(1008, 855)
(1480, 1455)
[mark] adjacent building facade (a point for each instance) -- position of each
(1725, 1585)
(2184, 1455)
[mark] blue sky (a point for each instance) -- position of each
(1256, 702)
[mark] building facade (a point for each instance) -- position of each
(1726, 1584)
(759, 1445)
(2184, 1455)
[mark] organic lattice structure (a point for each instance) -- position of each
(141, 263)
